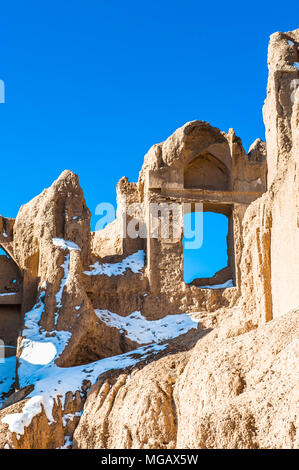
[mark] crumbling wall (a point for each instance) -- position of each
(283, 142)
(163, 181)
(270, 260)
(211, 396)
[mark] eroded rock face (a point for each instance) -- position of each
(270, 264)
(51, 245)
(222, 394)
(89, 302)
(45, 431)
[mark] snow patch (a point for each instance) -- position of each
(225, 285)
(18, 421)
(36, 352)
(65, 265)
(65, 244)
(70, 417)
(38, 347)
(135, 262)
(51, 382)
(137, 328)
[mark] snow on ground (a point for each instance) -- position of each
(40, 349)
(135, 262)
(52, 382)
(143, 331)
(225, 285)
(7, 374)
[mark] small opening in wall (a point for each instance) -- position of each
(207, 264)
(3, 253)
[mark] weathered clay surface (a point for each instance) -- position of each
(43, 434)
(237, 392)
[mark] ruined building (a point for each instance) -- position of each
(71, 298)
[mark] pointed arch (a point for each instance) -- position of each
(206, 172)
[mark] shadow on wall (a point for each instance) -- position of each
(10, 299)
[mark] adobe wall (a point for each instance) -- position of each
(163, 181)
(281, 114)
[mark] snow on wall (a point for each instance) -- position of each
(65, 244)
(66, 266)
(69, 246)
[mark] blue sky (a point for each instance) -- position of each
(91, 85)
(212, 255)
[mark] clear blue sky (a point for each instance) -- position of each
(212, 255)
(91, 85)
